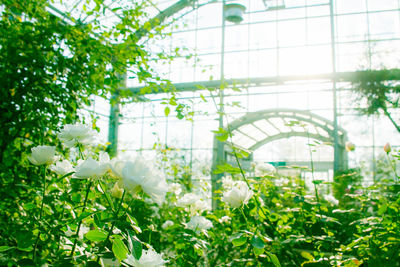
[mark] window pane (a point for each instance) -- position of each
(263, 63)
(384, 25)
(352, 27)
(291, 33)
(263, 35)
(318, 31)
(350, 6)
(382, 5)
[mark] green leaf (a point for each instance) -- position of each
(136, 247)
(203, 98)
(29, 206)
(96, 235)
(5, 248)
(307, 255)
(119, 249)
(239, 240)
(258, 251)
(76, 197)
(222, 137)
(317, 182)
(274, 259)
(167, 110)
(134, 224)
(257, 242)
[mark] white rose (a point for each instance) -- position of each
(149, 258)
(138, 176)
(239, 194)
(62, 167)
(188, 199)
(42, 155)
(225, 219)
(263, 169)
(331, 199)
(167, 224)
(227, 182)
(198, 223)
(116, 166)
(89, 168)
(175, 188)
(72, 134)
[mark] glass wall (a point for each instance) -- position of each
(292, 42)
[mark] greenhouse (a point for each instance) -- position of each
(200, 133)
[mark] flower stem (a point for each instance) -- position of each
(244, 216)
(80, 222)
(107, 199)
(113, 224)
(393, 166)
(41, 211)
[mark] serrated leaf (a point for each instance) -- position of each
(119, 249)
(96, 235)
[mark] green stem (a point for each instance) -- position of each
(41, 212)
(80, 149)
(257, 201)
(245, 218)
(108, 200)
(80, 221)
(126, 210)
(393, 166)
(115, 216)
(113, 224)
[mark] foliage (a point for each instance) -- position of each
(49, 70)
(346, 182)
(380, 90)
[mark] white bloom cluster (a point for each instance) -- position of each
(331, 199)
(193, 202)
(167, 224)
(225, 219)
(262, 169)
(149, 258)
(227, 182)
(198, 223)
(238, 195)
(72, 134)
(175, 188)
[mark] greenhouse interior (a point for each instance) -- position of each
(155, 133)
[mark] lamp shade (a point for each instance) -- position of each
(234, 12)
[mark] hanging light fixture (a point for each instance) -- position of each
(234, 12)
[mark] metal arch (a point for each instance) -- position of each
(287, 135)
(320, 124)
(309, 117)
